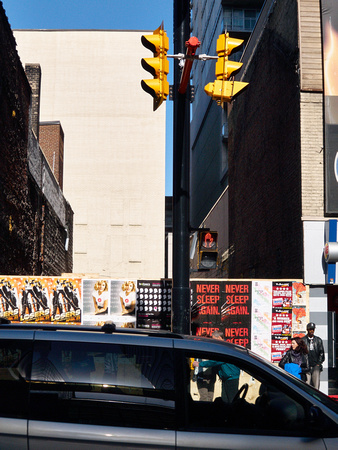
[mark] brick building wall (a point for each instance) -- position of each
(265, 157)
(51, 142)
(33, 73)
(33, 213)
(54, 215)
(56, 254)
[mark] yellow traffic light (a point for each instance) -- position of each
(158, 66)
(225, 46)
(222, 90)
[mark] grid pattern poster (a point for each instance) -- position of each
(154, 304)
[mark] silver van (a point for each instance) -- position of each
(74, 387)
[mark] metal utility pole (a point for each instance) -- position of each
(181, 168)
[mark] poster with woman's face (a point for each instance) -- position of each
(109, 301)
(123, 303)
(96, 299)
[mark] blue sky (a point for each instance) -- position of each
(99, 14)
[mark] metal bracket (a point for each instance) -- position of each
(190, 93)
(202, 57)
(171, 92)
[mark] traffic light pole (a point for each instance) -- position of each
(181, 191)
(221, 90)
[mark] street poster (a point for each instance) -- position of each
(262, 315)
(109, 301)
(236, 312)
(224, 306)
(261, 318)
(281, 321)
(41, 299)
(300, 310)
(206, 302)
(154, 304)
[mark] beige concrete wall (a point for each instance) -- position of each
(312, 154)
(114, 160)
(310, 45)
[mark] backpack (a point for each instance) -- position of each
(293, 368)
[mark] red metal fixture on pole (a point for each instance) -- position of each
(192, 44)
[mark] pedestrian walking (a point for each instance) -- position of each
(296, 360)
(316, 355)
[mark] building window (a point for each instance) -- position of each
(224, 148)
(240, 19)
(227, 15)
(250, 18)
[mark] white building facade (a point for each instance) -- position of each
(114, 163)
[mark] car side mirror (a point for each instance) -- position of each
(316, 418)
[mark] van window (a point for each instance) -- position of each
(103, 384)
(15, 361)
(223, 395)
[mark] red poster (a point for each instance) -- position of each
(224, 306)
(281, 319)
(236, 312)
(281, 323)
(206, 307)
(278, 348)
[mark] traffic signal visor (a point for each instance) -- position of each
(227, 45)
(158, 66)
(224, 90)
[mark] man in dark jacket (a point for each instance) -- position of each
(316, 355)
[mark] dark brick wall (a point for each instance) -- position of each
(264, 158)
(53, 255)
(32, 236)
(16, 214)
